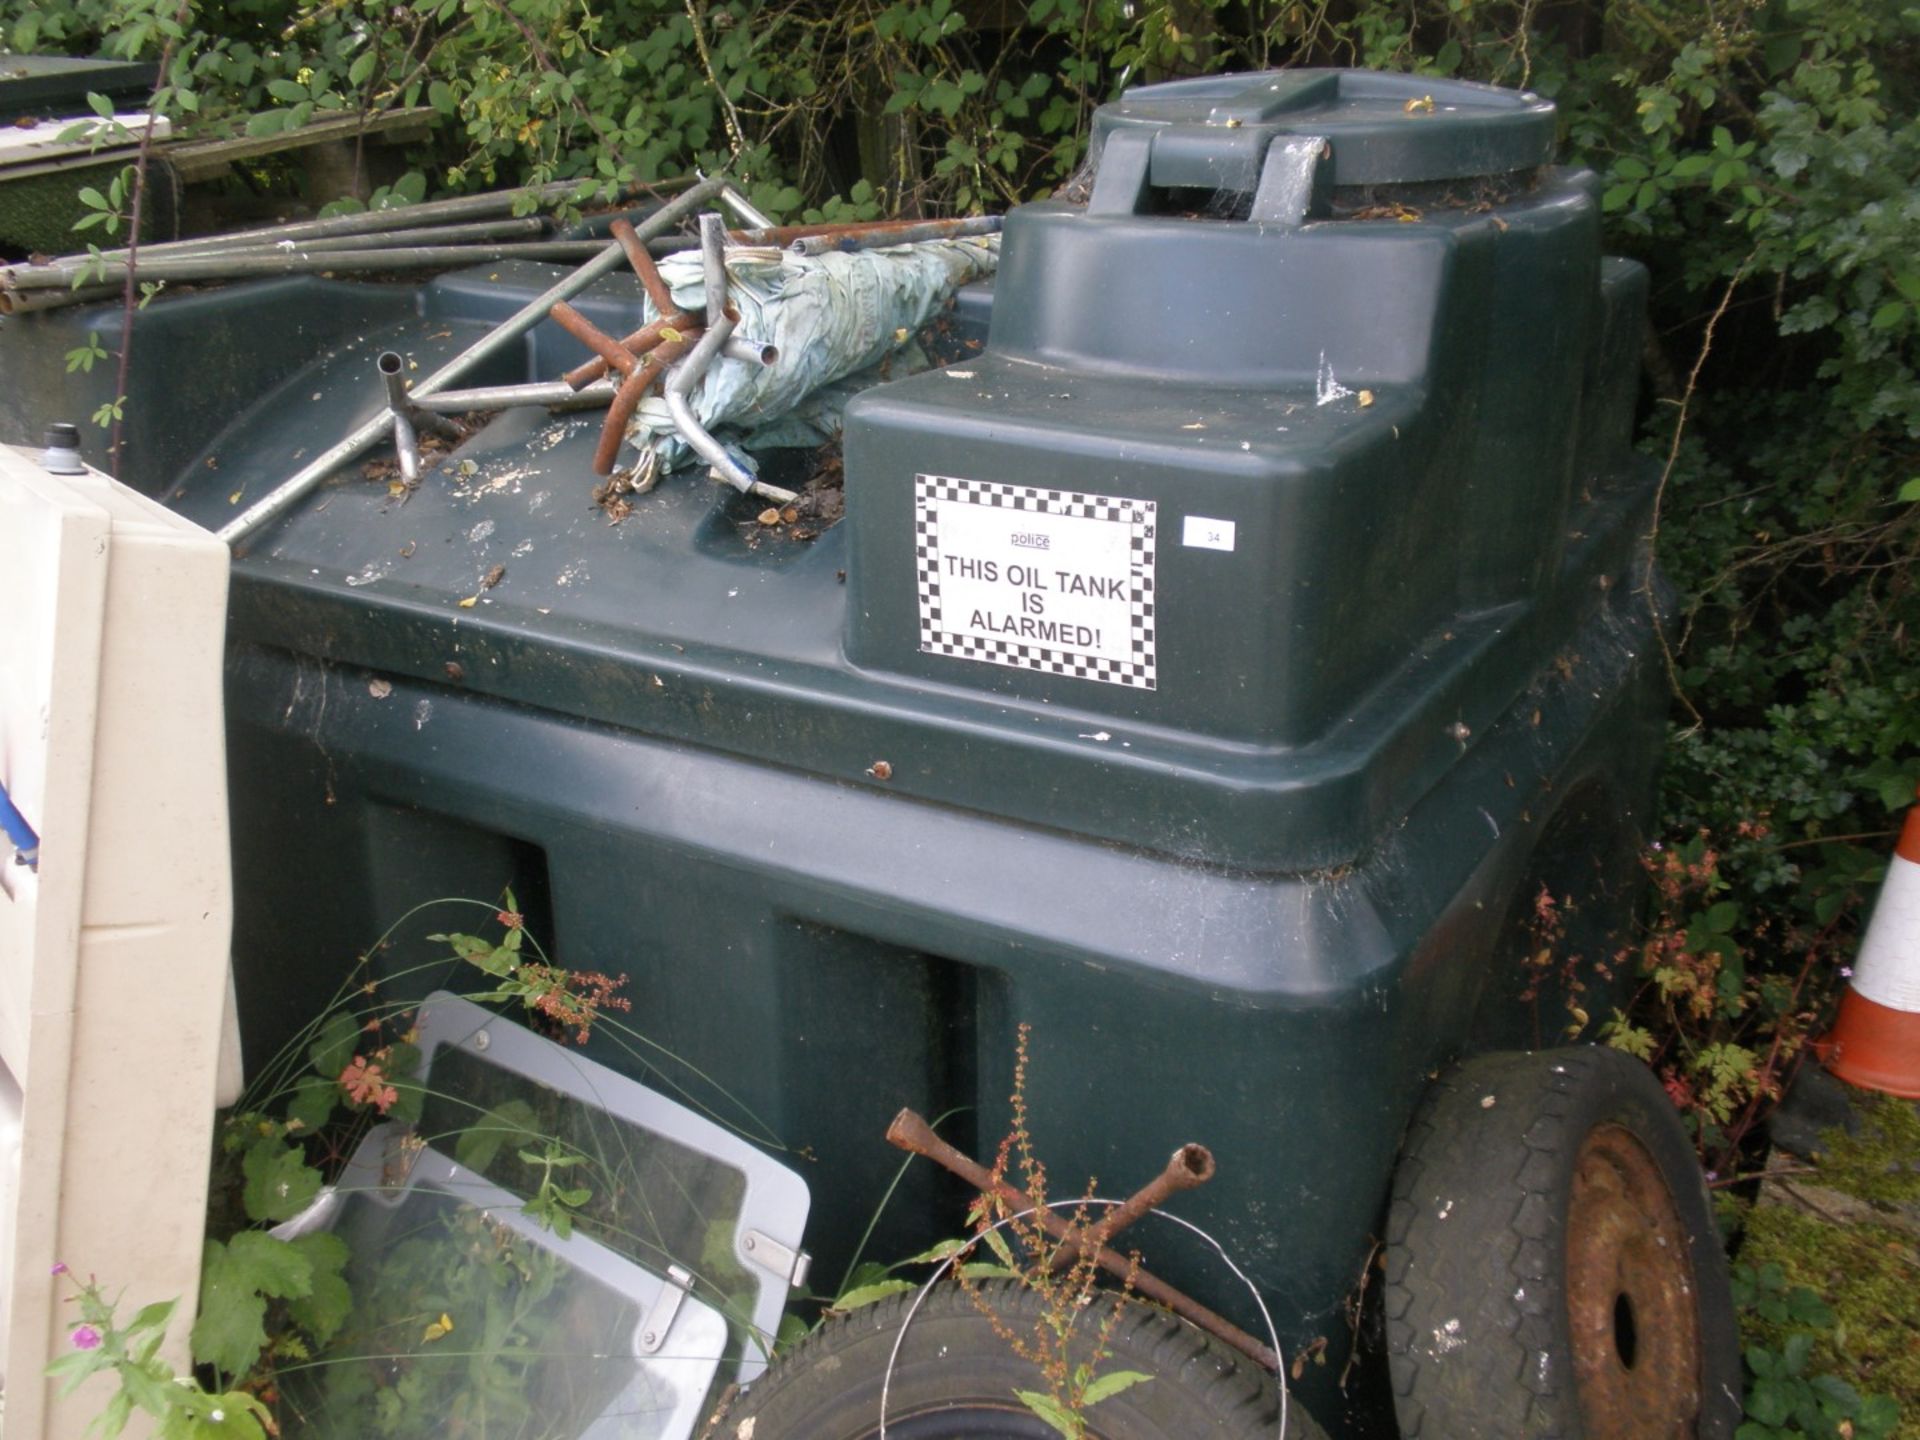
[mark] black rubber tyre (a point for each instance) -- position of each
(955, 1380)
(1553, 1269)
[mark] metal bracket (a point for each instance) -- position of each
(770, 1254)
(666, 1305)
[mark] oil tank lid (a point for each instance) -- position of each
(1380, 128)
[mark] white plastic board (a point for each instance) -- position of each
(113, 954)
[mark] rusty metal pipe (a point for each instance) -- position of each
(295, 487)
(1190, 1167)
(644, 267)
(627, 399)
(787, 234)
(613, 354)
(901, 235)
(910, 1131)
(637, 345)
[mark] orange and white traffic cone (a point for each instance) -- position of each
(1875, 1040)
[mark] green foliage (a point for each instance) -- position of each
(181, 1407)
(84, 357)
(240, 1276)
(464, 1313)
(1719, 1025)
(1072, 1337)
(1792, 1390)
(271, 1307)
(553, 1204)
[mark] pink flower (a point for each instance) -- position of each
(85, 1337)
(59, 1268)
(366, 1084)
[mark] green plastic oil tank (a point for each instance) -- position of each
(1213, 668)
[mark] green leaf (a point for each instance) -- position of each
(154, 1316)
(1631, 167)
(479, 1145)
(1805, 1307)
(945, 1250)
(1111, 1384)
(1768, 1403)
(279, 1182)
(1911, 490)
(867, 1294)
(1879, 1414)
(313, 1103)
(1796, 1351)
(150, 1392)
(984, 1270)
(114, 1418)
(1049, 1410)
(288, 92)
(324, 1309)
(77, 1365)
(997, 1243)
(1836, 1394)
(334, 1047)
(236, 1280)
(1889, 315)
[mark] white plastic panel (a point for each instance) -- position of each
(687, 1191)
(527, 1333)
(113, 954)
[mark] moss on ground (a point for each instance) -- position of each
(1880, 1164)
(1868, 1275)
(1850, 1233)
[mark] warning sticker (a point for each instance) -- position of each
(1049, 580)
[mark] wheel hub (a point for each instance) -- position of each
(1631, 1306)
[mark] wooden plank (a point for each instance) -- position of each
(33, 145)
(206, 159)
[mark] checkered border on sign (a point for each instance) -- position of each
(1136, 671)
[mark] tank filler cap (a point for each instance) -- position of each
(62, 455)
(1214, 133)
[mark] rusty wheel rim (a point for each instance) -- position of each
(1630, 1295)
